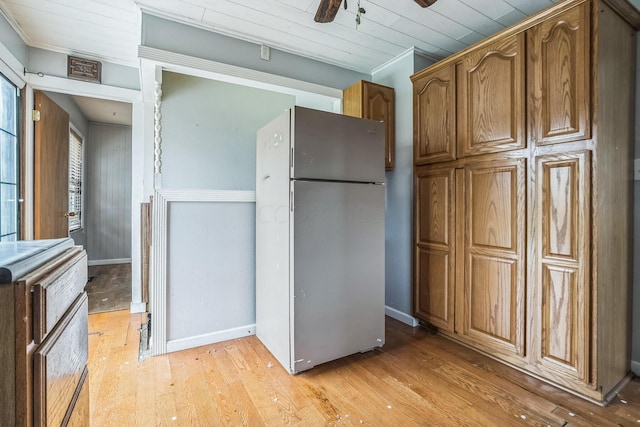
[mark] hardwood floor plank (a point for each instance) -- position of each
(416, 379)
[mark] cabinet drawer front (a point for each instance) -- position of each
(58, 366)
(55, 293)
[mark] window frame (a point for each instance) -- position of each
(18, 153)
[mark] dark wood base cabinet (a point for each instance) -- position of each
(44, 352)
(523, 195)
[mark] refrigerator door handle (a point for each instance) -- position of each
(291, 201)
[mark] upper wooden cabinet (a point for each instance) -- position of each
(491, 109)
(434, 127)
(376, 102)
(558, 64)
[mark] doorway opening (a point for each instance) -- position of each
(103, 190)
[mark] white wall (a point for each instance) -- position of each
(209, 143)
(55, 64)
(399, 184)
(209, 131)
(199, 43)
(107, 193)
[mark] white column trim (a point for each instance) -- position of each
(158, 279)
(157, 126)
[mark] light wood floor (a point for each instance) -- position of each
(416, 379)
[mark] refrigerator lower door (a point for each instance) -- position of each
(338, 271)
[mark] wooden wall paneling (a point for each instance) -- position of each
(108, 192)
(494, 287)
(434, 103)
(563, 262)
(435, 246)
(613, 192)
(491, 109)
(559, 77)
(145, 247)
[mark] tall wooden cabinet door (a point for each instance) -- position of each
(559, 70)
(379, 104)
(562, 294)
(493, 302)
(491, 108)
(434, 116)
(434, 249)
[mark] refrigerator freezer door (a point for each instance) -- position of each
(338, 271)
(329, 146)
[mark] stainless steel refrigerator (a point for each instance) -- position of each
(320, 201)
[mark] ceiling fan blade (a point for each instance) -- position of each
(327, 10)
(425, 3)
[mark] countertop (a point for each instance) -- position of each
(21, 257)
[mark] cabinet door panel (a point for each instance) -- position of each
(563, 194)
(493, 289)
(434, 116)
(491, 111)
(559, 72)
(494, 281)
(379, 104)
(434, 250)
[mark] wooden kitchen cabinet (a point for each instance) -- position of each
(376, 102)
(559, 58)
(491, 108)
(434, 103)
(491, 303)
(44, 331)
(564, 225)
(523, 214)
(435, 243)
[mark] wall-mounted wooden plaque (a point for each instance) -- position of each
(84, 69)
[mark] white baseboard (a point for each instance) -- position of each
(109, 261)
(211, 338)
(400, 316)
(138, 307)
(635, 367)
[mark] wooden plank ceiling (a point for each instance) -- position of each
(109, 30)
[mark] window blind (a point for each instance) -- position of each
(75, 181)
